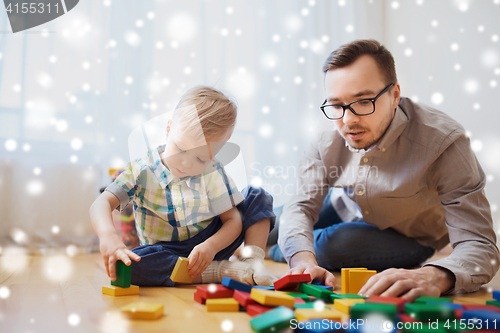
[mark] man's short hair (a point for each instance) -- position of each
(348, 53)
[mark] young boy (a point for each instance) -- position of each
(185, 205)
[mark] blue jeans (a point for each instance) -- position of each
(158, 260)
(359, 244)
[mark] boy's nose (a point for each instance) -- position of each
(185, 163)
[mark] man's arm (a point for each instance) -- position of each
(459, 181)
(301, 213)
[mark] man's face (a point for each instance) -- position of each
(361, 79)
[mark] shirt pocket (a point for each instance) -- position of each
(395, 208)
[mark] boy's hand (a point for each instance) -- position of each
(113, 249)
(200, 257)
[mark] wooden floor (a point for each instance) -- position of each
(63, 294)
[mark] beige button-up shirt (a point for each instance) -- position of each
(421, 179)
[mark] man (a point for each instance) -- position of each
(403, 175)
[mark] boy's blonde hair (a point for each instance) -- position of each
(206, 111)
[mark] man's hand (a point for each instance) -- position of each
(113, 249)
(305, 263)
(200, 257)
(409, 284)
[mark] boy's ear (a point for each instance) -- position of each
(169, 125)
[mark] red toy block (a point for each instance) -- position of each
(257, 309)
(291, 281)
(199, 299)
(299, 300)
(480, 307)
(214, 291)
(458, 313)
(243, 298)
(399, 302)
(406, 318)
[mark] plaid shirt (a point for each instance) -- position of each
(168, 208)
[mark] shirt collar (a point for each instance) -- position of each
(164, 175)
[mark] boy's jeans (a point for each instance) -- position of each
(358, 244)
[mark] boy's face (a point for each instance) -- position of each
(184, 155)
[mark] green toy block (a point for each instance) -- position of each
(494, 303)
(315, 291)
(123, 275)
(272, 321)
(345, 296)
(364, 310)
(300, 295)
(309, 305)
(429, 299)
(432, 312)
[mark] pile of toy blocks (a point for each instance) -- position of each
(296, 302)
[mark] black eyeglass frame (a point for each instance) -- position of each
(345, 106)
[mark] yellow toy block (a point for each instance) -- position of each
(143, 310)
(222, 304)
(272, 298)
(344, 304)
(358, 278)
(180, 272)
(344, 278)
(119, 291)
(326, 313)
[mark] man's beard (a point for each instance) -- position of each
(384, 126)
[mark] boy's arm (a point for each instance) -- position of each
(202, 254)
(110, 244)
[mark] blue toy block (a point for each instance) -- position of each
(483, 315)
(449, 305)
(236, 285)
(264, 287)
(496, 295)
(318, 283)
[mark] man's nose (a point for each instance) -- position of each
(350, 118)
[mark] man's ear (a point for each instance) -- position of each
(169, 126)
(397, 95)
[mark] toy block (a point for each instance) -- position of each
(326, 313)
(318, 283)
(480, 307)
(236, 285)
(429, 312)
(429, 299)
(214, 291)
(309, 305)
(335, 296)
(449, 305)
(118, 291)
(345, 305)
(482, 316)
(123, 275)
(494, 303)
(272, 321)
(403, 317)
(315, 291)
(496, 295)
(358, 278)
(264, 287)
(180, 272)
(302, 296)
(272, 298)
(199, 299)
(243, 298)
(143, 310)
(399, 302)
(365, 310)
(299, 301)
(344, 278)
(223, 304)
(258, 309)
(291, 281)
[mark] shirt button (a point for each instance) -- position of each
(383, 149)
(365, 159)
(360, 192)
(178, 209)
(367, 212)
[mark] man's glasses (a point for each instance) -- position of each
(361, 107)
